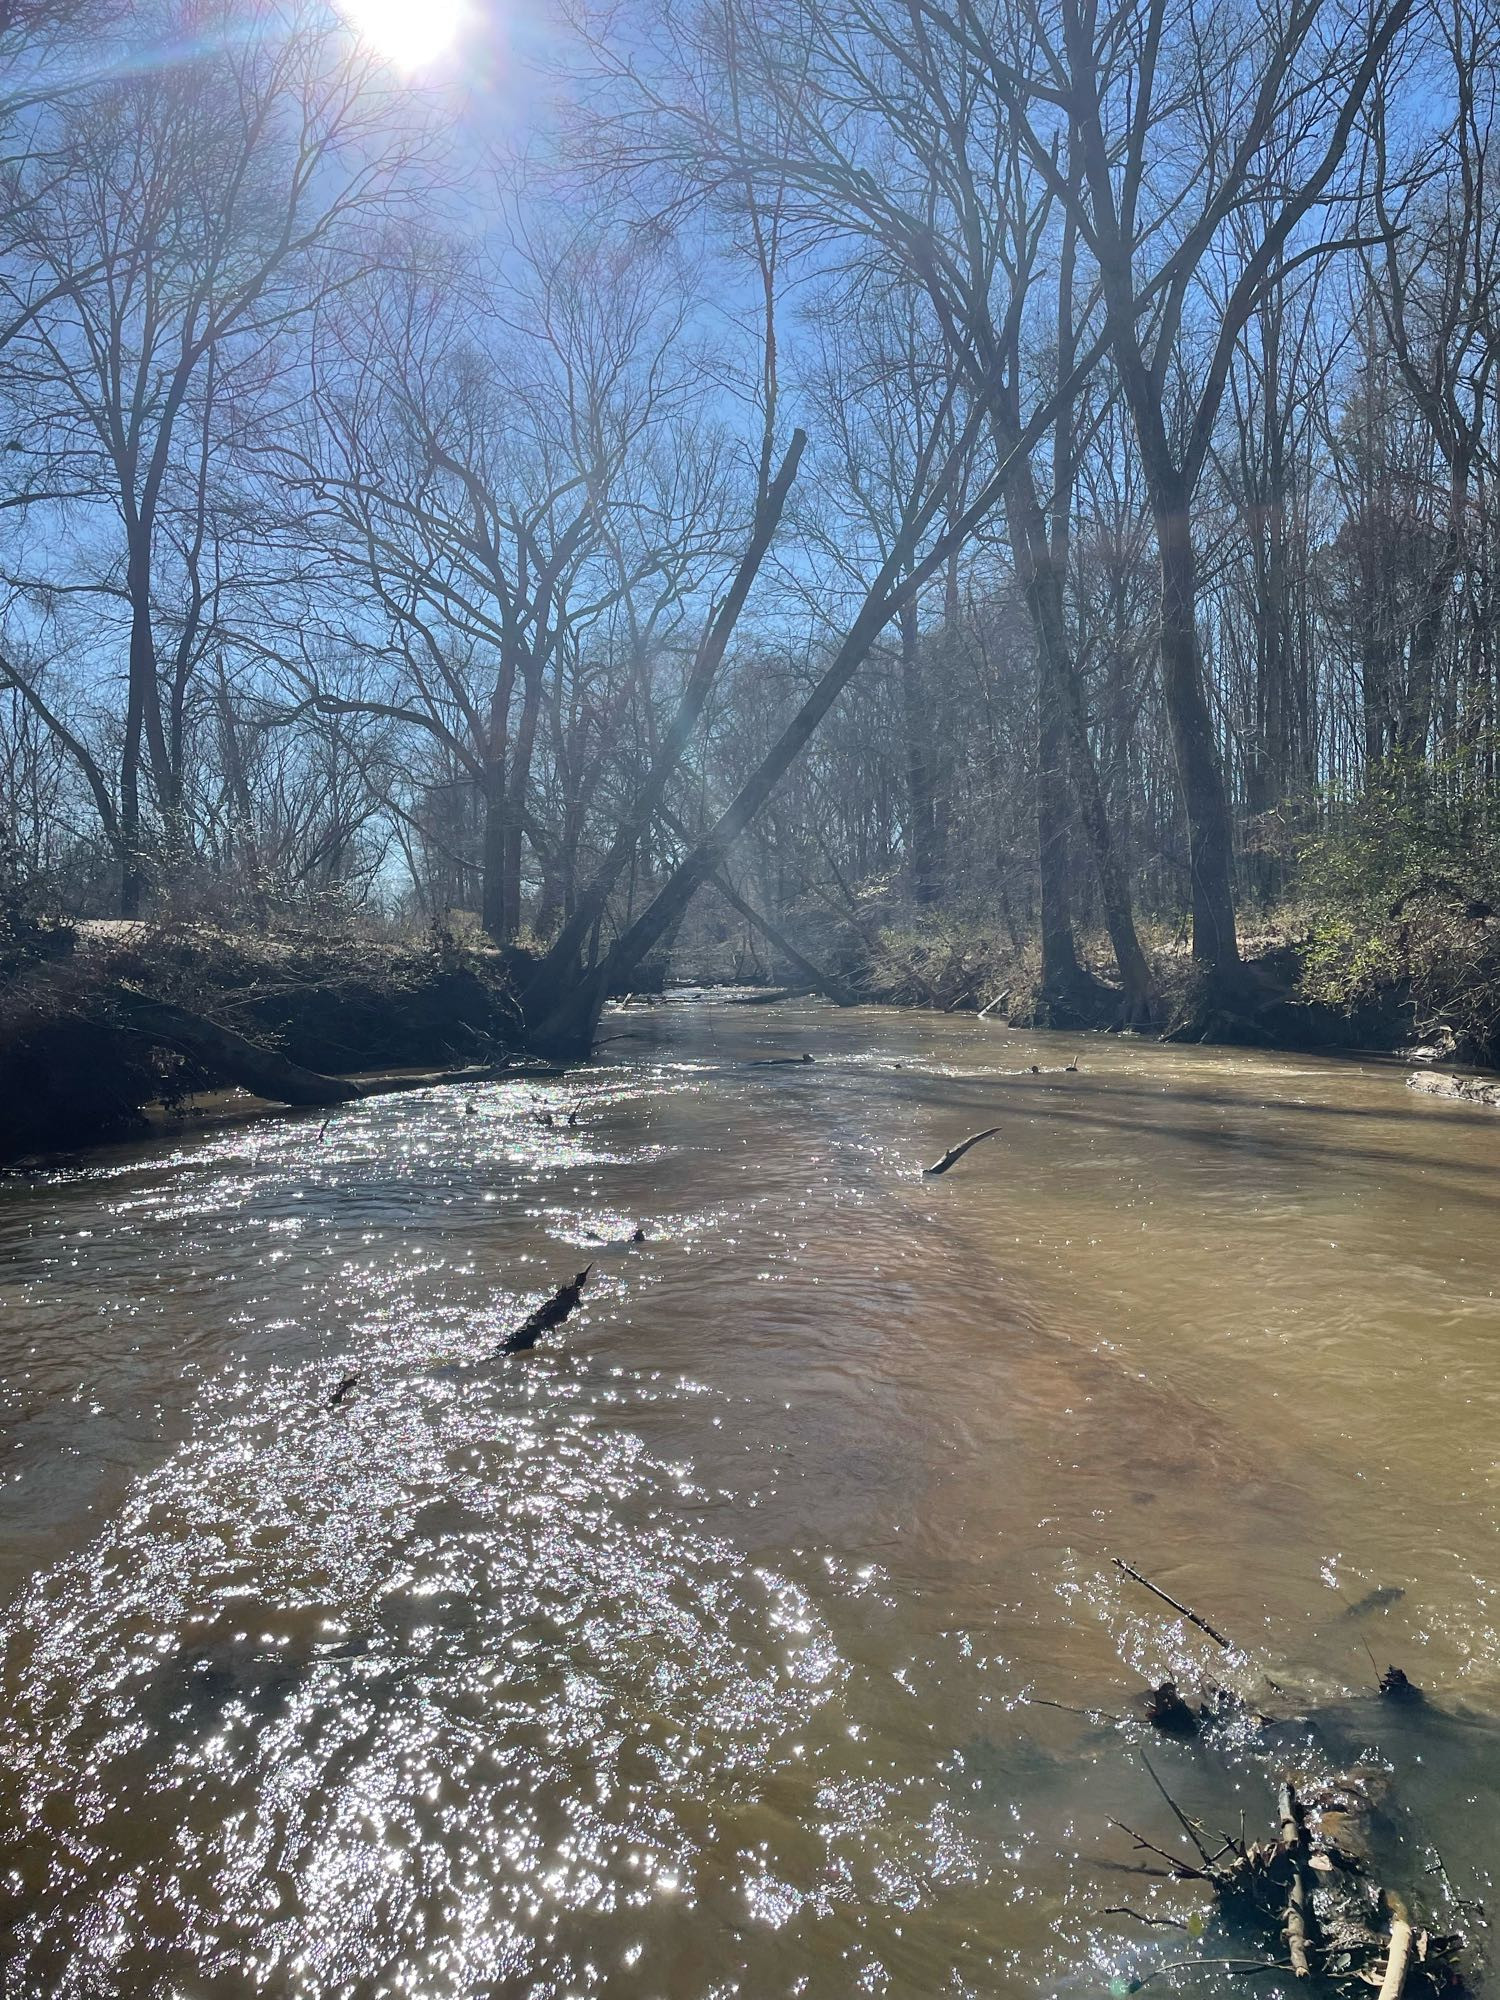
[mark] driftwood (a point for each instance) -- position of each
(990, 1005)
(1398, 1957)
(955, 1153)
(1291, 1833)
(1263, 1893)
(552, 1312)
(1466, 1089)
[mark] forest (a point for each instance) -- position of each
(913, 499)
(749, 999)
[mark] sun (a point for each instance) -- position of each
(409, 34)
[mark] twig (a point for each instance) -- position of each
(1157, 1923)
(1183, 1870)
(1185, 1964)
(1071, 1708)
(1186, 1611)
(1191, 1827)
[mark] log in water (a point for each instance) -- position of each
(689, 1658)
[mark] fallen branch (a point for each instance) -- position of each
(1182, 1871)
(1291, 1835)
(232, 1055)
(1185, 1610)
(1183, 1964)
(955, 1153)
(1398, 1958)
(552, 1312)
(990, 1006)
(1191, 1827)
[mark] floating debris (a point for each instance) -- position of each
(955, 1153)
(342, 1390)
(552, 1312)
(1305, 1896)
(1186, 1611)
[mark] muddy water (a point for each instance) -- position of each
(692, 1656)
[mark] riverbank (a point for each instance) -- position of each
(1384, 975)
(107, 1029)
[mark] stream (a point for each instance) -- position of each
(695, 1653)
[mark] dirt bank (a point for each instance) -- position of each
(87, 1035)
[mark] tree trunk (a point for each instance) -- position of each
(1210, 847)
(242, 1061)
(492, 910)
(921, 809)
(515, 802)
(1063, 742)
(1062, 975)
(561, 961)
(1421, 678)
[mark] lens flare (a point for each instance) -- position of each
(408, 34)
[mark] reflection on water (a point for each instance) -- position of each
(690, 1655)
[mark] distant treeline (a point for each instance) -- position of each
(1028, 458)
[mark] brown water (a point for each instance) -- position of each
(690, 1656)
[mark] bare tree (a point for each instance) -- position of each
(1187, 121)
(188, 214)
(501, 483)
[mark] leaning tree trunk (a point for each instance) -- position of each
(562, 1016)
(560, 968)
(250, 1064)
(822, 982)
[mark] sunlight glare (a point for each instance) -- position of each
(409, 34)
